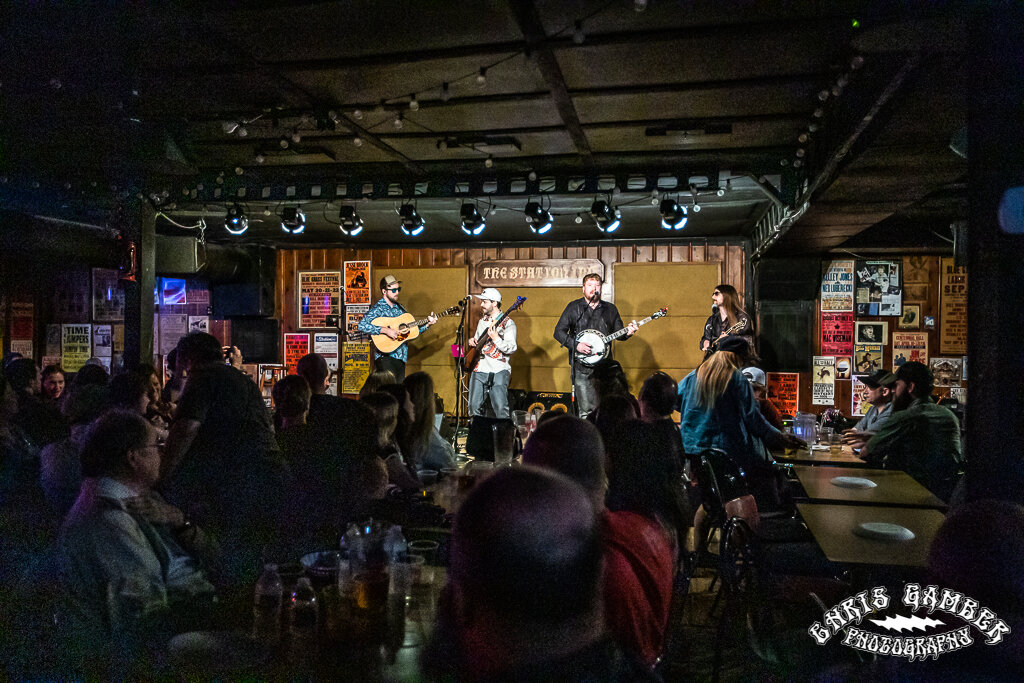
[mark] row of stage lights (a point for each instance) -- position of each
(607, 218)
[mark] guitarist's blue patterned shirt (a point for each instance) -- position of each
(383, 309)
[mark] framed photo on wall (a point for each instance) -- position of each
(911, 318)
(871, 333)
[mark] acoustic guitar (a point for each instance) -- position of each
(407, 326)
(472, 356)
(599, 342)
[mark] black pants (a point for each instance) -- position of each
(396, 366)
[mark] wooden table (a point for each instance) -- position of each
(893, 487)
(820, 457)
(833, 525)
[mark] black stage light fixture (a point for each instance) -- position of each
(293, 220)
(236, 222)
(538, 218)
(673, 216)
(351, 223)
(472, 222)
(606, 216)
(412, 222)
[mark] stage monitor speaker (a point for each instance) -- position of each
(548, 400)
(257, 338)
(254, 296)
(480, 439)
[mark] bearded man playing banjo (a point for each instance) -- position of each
(588, 313)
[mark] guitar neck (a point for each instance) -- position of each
(621, 333)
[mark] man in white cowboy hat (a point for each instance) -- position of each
(491, 374)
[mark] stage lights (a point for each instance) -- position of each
(606, 217)
(412, 222)
(673, 216)
(350, 222)
(293, 220)
(472, 222)
(236, 222)
(538, 218)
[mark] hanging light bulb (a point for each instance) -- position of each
(488, 162)
(283, 143)
(577, 33)
(445, 92)
(399, 122)
(260, 158)
(481, 78)
(414, 104)
(357, 141)
(296, 136)
(239, 170)
(358, 114)
(531, 176)
(242, 131)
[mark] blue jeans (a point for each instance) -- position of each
(494, 384)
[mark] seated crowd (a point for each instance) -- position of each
(151, 508)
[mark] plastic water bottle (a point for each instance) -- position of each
(395, 546)
(266, 611)
(303, 617)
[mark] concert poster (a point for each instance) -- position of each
(784, 391)
(859, 398)
(107, 296)
(909, 346)
(843, 367)
(76, 346)
(356, 366)
(296, 345)
(173, 326)
(51, 360)
(23, 346)
(102, 341)
(71, 296)
(952, 308)
(836, 334)
(879, 289)
(867, 358)
(319, 295)
(357, 283)
(269, 374)
(353, 314)
(837, 287)
(823, 381)
(22, 320)
(947, 371)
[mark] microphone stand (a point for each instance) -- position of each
(460, 397)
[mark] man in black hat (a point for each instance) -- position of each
(879, 395)
(920, 437)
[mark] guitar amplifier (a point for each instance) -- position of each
(549, 400)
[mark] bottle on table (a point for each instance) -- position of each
(303, 618)
(266, 611)
(395, 546)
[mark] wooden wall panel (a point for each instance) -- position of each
(541, 368)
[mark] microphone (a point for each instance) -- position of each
(714, 308)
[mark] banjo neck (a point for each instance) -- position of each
(615, 335)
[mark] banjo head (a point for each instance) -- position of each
(598, 348)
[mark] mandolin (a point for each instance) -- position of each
(599, 342)
(407, 326)
(472, 356)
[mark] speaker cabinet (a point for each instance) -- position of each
(480, 439)
(548, 400)
(254, 296)
(257, 338)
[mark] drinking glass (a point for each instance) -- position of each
(504, 443)
(522, 423)
(835, 444)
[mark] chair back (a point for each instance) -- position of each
(731, 479)
(710, 494)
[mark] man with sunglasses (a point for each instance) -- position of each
(388, 307)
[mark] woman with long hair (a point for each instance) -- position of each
(718, 410)
(726, 314)
(375, 381)
(385, 407)
(425, 446)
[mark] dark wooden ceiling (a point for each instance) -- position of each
(581, 100)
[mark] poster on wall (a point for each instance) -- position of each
(22, 320)
(53, 340)
(76, 345)
(836, 334)
(837, 287)
(859, 398)
(355, 366)
(911, 318)
(107, 296)
(908, 346)
(879, 290)
(199, 323)
(51, 360)
(784, 391)
(24, 347)
(871, 333)
(268, 376)
(71, 296)
(353, 314)
(358, 289)
(296, 345)
(326, 345)
(319, 293)
(844, 367)
(173, 326)
(947, 371)
(867, 358)
(823, 381)
(952, 308)
(958, 394)
(917, 268)
(102, 341)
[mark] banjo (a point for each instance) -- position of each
(599, 342)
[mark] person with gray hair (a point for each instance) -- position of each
(523, 601)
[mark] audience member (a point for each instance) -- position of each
(639, 560)
(158, 413)
(658, 400)
(385, 407)
(524, 599)
(719, 411)
(768, 408)
(52, 384)
(291, 405)
(39, 420)
(175, 382)
(920, 437)
(609, 379)
(344, 428)
(406, 415)
(375, 381)
(131, 391)
(128, 561)
(879, 395)
(426, 447)
(91, 374)
(612, 410)
(60, 465)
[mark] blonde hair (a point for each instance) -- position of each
(713, 376)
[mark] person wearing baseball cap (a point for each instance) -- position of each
(757, 384)
(920, 437)
(388, 307)
(879, 395)
(497, 343)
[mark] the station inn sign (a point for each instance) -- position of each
(535, 273)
